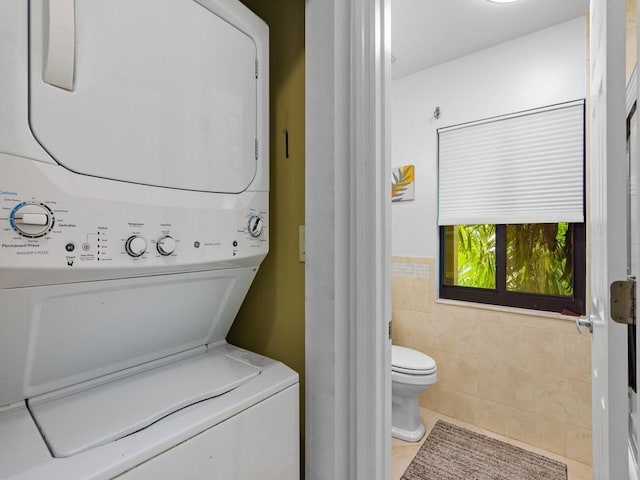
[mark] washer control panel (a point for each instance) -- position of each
(32, 219)
(110, 229)
(166, 245)
(135, 246)
(255, 226)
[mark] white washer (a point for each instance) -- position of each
(133, 218)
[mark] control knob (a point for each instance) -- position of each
(166, 245)
(32, 220)
(255, 226)
(135, 245)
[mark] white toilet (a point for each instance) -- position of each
(411, 373)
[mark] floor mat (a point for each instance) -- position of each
(455, 453)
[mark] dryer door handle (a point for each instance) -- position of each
(59, 43)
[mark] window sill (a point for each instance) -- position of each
(503, 309)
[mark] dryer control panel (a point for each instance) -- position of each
(60, 227)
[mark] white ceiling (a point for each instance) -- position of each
(425, 33)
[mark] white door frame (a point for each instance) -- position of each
(348, 256)
(608, 242)
(632, 96)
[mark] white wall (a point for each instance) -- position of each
(540, 69)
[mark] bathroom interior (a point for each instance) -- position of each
(517, 374)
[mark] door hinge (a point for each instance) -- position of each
(256, 68)
(390, 329)
(256, 148)
(622, 295)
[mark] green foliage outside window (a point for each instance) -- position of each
(476, 256)
(538, 257)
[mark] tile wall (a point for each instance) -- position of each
(518, 374)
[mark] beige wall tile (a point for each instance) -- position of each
(544, 350)
(456, 372)
(448, 331)
(445, 363)
(535, 430)
(493, 316)
(518, 387)
(506, 385)
(514, 388)
(562, 399)
(438, 399)
(491, 380)
(526, 376)
(578, 444)
(560, 325)
(550, 435)
(490, 341)
(578, 401)
(549, 397)
(434, 278)
(515, 342)
(412, 293)
(520, 425)
(442, 332)
(576, 358)
(404, 327)
(411, 329)
(465, 373)
(490, 415)
(457, 331)
(464, 407)
(474, 410)
(565, 325)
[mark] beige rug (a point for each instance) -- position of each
(455, 453)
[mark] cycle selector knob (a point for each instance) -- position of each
(32, 219)
(255, 226)
(166, 245)
(135, 246)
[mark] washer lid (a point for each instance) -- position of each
(407, 360)
(89, 418)
(156, 92)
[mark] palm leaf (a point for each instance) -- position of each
(402, 178)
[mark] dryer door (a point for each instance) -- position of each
(157, 92)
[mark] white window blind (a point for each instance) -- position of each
(521, 168)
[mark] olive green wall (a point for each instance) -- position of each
(271, 320)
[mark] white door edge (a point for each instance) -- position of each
(348, 386)
(607, 226)
(633, 467)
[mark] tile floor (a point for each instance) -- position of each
(403, 452)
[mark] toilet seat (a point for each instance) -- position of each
(416, 380)
(411, 362)
(410, 371)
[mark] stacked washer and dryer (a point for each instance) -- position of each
(133, 217)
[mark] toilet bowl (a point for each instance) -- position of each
(411, 373)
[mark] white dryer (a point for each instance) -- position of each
(133, 217)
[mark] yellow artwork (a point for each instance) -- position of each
(402, 184)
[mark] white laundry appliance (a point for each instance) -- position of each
(133, 218)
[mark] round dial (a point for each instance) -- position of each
(166, 245)
(32, 219)
(255, 226)
(135, 245)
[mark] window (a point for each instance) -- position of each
(538, 266)
(511, 210)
